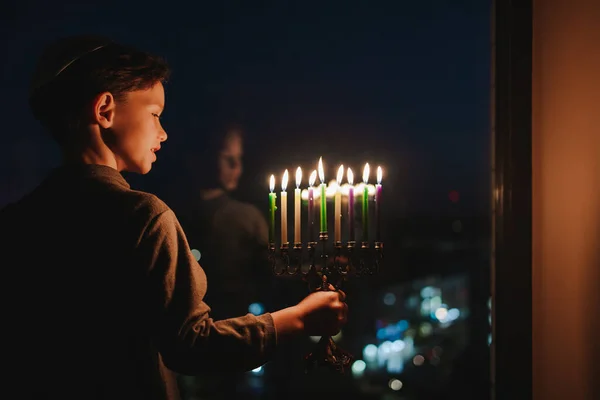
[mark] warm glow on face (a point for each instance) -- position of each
(350, 177)
(340, 174)
(272, 183)
(284, 181)
(321, 172)
(312, 178)
(366, 172)
(379, 175)
(298, 177)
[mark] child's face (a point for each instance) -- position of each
(137, 130)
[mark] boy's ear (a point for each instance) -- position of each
(104, 106)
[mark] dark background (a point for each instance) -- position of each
(401, 84)
(405, 85)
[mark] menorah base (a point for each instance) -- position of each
(328, 274)
(328, 354)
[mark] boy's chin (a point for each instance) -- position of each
(139, 170)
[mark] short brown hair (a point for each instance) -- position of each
(74, 70)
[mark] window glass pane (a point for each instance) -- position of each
(404, 86)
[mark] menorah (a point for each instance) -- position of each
(325, 264)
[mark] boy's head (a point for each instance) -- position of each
(84, 83)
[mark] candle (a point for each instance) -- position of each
(311, 205)
(378, 205)
(284, 182)
(323, 196)
(272, 208)
(350, 205)
(338, 205)
(297, 209)
(365, 204)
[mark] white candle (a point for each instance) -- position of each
(284, 207)
(338, 206)
(297, 208)
(323, 196)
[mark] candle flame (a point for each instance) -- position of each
(298, 176)
(312, 178)
(321, 172)
(272, 183)
(379, 175)
(350, 177)
(340, 174)
(284, 181)
(345, 189)
(366, 171)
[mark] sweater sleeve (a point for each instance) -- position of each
(189, 340)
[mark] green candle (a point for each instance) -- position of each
(272, 207)
(323, 208)
(365, 204)
(323, 196)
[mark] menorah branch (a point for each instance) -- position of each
(322, 264)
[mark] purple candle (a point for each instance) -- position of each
(350, 205)
(311, 205)
(378, 206)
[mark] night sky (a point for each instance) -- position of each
(401, 84)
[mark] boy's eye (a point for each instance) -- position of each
(156, 115)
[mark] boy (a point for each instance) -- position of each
(114, 303)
